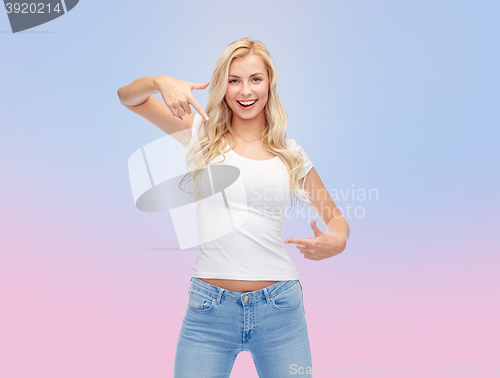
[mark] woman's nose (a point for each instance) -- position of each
(246, 89)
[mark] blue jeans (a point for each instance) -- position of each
(269, 323)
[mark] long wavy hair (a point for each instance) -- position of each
(210, 142)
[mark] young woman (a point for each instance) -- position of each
(245, 293)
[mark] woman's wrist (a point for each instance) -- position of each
(156, 80)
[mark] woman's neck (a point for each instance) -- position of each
(248, 130)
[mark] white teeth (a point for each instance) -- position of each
(246, 102)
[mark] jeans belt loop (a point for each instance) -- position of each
(267, 295)
(220, 295)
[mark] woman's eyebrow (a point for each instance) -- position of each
(258, 73)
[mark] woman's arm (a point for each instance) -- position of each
(173, 115)
(138, 91)
(323, 205)
(324, 244)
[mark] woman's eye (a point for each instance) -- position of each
(258, 78)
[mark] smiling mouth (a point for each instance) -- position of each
(247, 104)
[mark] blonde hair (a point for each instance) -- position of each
(209, 144)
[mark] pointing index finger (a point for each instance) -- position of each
(297, 241)
(198, 108)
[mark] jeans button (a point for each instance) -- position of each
(246, 298)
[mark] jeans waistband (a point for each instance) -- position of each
(250, 296)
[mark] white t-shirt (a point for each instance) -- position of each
(253, 251)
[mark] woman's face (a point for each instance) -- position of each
(247, 82)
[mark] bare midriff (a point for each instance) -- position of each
(238, 285)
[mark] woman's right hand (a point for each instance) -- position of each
(177, 95)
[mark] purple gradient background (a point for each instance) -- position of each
(397, 97)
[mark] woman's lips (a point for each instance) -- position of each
(247, 107)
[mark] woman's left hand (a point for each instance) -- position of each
(322, 246)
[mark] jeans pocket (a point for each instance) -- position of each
(200, 301)
(289, 299)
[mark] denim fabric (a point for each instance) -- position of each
(269, 323)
